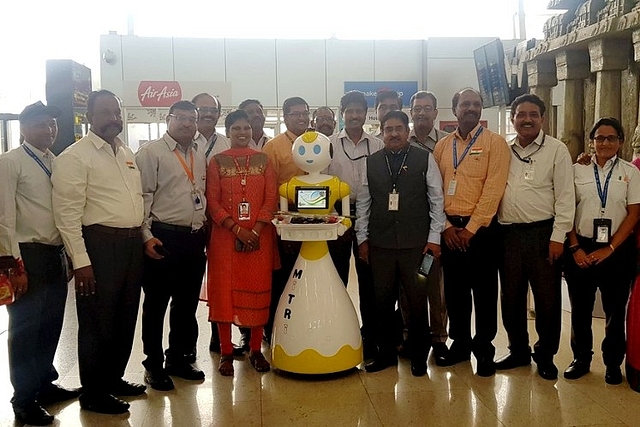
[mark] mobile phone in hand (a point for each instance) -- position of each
(425, 267)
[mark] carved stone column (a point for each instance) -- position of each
(573, 68)
(608, 58)
(635, 139)
(542, 77)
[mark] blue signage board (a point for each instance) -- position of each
(370, 89)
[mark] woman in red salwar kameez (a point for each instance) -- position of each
(241, 196)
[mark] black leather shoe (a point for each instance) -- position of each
(53, 393)
(440, 350)
(103, 404)
(513, 360)
(125, 388)
(486, 367)
(158, 380)
(33, 414)
(613, 375)
(185, 371)
(453, 357)
(379, 364)
(577, 369)
(369, 349)
(418, 368)
(547, 370)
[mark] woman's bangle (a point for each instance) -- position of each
(237, 229)
(613, 249)
(255, 233)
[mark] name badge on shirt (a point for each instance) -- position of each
(529, 171)
(197, 200)
(394, 201)
(244, 211)
(601, 230)
(451, 190)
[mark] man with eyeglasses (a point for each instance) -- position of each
(535, 214)
(351, 147)
(386, 100)
(255, 111)
(98, 209)
(208, 140)
(174, 234)
(324, 121)
(278, 150)
(29, 235)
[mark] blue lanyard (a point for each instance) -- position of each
(213, 143)
(394, 176)
(457, 162)
(603, 193)
(37, 159)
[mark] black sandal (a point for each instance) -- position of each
(258, 361)
(225, 367)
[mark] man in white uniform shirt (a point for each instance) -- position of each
(209, 141)
(535, 215)
(29, 235)
(98, 209)
(351, 147)
(174, 233)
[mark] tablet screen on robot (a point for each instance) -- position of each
(312, 198)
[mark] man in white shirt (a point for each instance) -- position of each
(98, 209)
(209, 141)
(29, 235)
(254, 109)
(174, 234)
(536, 213)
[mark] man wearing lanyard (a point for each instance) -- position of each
(254, 109)
(208, 140)
(324, 121)
(474, 163)
(400, 218)
(424, 135)
(28, 234)
(173, 183)
(351, 147)
(98, 209)
(535, 214)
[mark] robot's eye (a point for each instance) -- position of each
(317, 149)
(301, 150)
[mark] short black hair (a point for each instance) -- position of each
(184, 106)
(203, 94)
(246, 102)
(315, 112)
(607, 121)
(93, 96)
(395, 114)
(423, 94)
(528, 97)
(292, 102)
(233, 117)
(388, 94)
(456, 96)
(353, 97)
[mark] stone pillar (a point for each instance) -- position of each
(635, 139)
(573, 68)
(608, 58)
(542, 77)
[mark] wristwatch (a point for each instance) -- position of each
(574, 248)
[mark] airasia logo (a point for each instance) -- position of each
(159, 94)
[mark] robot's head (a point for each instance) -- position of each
(312, 152)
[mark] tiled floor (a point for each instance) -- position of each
(446, 396)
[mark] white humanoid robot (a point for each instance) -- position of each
(316, 328)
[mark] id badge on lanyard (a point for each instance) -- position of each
(394, 200)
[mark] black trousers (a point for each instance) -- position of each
(176, 277)
(525, 261)
(340, 251)
(35, 321)
(613, 277)
(107, 320)
(391, 267)
(467, 275)
(288, 251)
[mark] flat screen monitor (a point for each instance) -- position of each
(312, 198)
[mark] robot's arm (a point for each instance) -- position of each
(284, 201)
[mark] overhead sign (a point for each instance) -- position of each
(370, 89)
(492, 74)
(159, 93)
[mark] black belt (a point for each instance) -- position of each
(458, 221)
(530, 225)
(41, 246)
(176, 228)
(125, 232)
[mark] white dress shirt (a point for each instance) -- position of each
(212, 146)
(624, 190)
(259, 145)
(166, 188)
(430, 144)
(349, 159)
(435, 196)
(26, 214)
(541, 188)
(92, 185)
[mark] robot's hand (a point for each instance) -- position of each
(346, 222)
